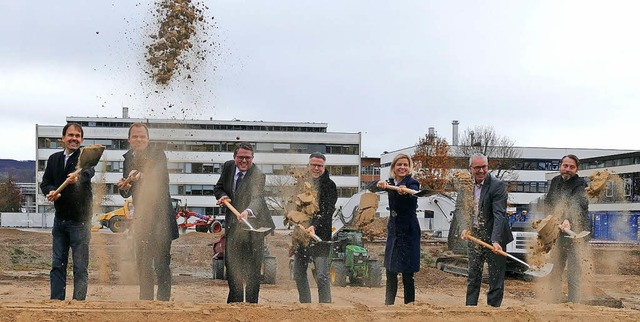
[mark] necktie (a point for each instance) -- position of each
(238, 181)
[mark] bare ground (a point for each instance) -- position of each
(24, 289)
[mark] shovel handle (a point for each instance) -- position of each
(313, 235)
(235, 212)
(405, 189)
(67, 181)
(468, 236)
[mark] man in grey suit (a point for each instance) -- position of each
(487, 221)
(242, 183)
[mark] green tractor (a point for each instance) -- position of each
(350, 261)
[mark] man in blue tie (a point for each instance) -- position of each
(242, 184)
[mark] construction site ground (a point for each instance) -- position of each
(24, 288)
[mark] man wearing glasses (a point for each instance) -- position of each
(487, 221)
(242, 184)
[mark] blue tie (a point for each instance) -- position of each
(238, 181)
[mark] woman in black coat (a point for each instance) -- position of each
(402, 251)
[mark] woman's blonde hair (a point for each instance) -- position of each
(395, 160)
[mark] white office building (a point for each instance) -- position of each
(196, 150)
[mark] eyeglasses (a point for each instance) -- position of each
(316, 165)
(479, 167)
(243, 157)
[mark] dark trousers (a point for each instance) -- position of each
(75, 235)
(154, 255)
(300, 264)
(243, 259)
(392, 288)
(567, 254)
(497, 265)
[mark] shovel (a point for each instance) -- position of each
(416, 193)
(89, 157)
(537, 271)
(244, 220)
(571, 234)
(313, 235)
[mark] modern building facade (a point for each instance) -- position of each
(196, 150)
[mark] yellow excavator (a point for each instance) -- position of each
(116, 220)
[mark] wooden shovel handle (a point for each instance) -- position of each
(313, 235)
(67, 181)
(467, 236)
(405, 189)
(231, 207)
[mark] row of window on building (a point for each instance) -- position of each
(214, 146)
(208, 126)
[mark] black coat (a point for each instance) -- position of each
(156, 198)
(75, 202)
(249, 195)
(567, 200)
(402, 251)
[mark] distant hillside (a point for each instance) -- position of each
(22, 171)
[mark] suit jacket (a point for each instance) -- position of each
(156, 199)
(494, 225)
(75, 202)
(249, 195)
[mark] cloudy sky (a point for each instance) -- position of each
(544, 73)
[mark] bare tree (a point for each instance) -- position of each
(280, 190)
(500, 150)
(433, 163)
(10, 196)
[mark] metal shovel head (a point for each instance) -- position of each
(90, 155)
(424, 192)
(579, 235)
(540, 271)
(258, 230)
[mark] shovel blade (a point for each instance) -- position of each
(540, 271)
(258, 230)
(579, 235)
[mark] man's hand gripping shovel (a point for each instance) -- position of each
(533, 271)
(227, 203)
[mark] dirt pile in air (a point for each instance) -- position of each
(166, 55)
(302, 205)
(377, 229)
(463, 182)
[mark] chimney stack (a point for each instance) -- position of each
(432, 132)
(125, 112)
(454, 135)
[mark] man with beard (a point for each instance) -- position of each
(327, 195)
(567, 201)
(155, 221)
(241, 183)
(71, 225)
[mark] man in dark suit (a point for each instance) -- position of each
(487, 221)
(155, 220)
(72, 222)
(242, 183)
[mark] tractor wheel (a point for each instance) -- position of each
(375, 274)
(202, 228)
(218, 269)
(117, 224)
(338, 273)
(269, 266)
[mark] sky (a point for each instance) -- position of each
(542, 73)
